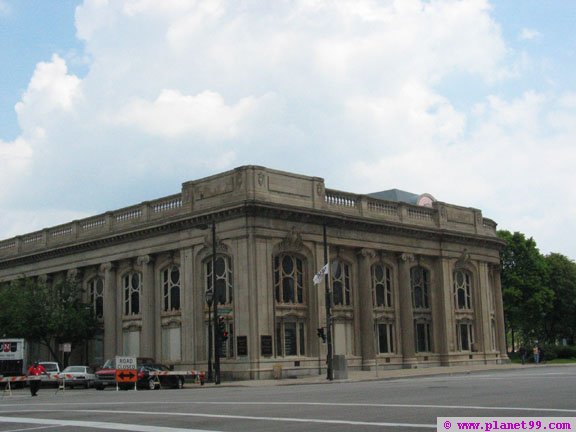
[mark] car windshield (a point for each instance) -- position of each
(70, 369)
(50, 367)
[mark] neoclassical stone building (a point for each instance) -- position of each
(415, 282)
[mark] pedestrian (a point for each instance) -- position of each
(536, 353)
(541, 352)
(34, 373)
(523, 352)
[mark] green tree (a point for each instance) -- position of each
(527, 298)
(46, 313)
(561, 323)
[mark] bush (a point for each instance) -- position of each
(566, 352)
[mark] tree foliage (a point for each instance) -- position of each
(539, 292)
(47, 313)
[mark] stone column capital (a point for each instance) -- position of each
(366, 253)
(145, 260)
(107, 266)
(406, 257)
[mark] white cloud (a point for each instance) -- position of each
(529, 34)
(178, 89)
(173, 114)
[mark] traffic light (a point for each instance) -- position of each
(321, 334)
(222, 329)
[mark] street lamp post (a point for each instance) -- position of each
(209, 300)
(328, 297)
(217, 346)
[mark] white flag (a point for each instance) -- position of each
(318, 276)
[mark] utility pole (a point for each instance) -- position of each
(329, 356)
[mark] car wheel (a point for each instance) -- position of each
(98, 387)
(151, 384)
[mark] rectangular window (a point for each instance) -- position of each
(131, 343)
(422, 334)
(465, 339)
(385, 338)
(290, 340)
(171, 344)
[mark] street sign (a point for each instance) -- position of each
(126, 363)
(126, 376)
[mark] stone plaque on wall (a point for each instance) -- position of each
(242, 345)
(266, 346)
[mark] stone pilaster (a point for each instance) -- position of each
(366, 309)
(406, 314)
(148, 310)
(442, 311)
(187, 306)
(110, 316)
(499, 311)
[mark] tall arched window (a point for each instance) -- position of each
(171, 288)
(462, 289)
(223, 274)
(341, 284)
(96, 292)
(420, 284)
(289, 279)
(132, 285)
(382, 285)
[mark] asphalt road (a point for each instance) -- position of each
(406, 404)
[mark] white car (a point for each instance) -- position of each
(78, 376)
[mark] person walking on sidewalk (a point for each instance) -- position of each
(536, 353)
(34, 373)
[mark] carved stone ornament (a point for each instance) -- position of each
(239, 181)
(261, 177)
(220, 246)
(367, 253)
(407, 257)
(320, 189)
(144, 259)
(74, 274)
(293, 241)
(464, 259)
(106, 267)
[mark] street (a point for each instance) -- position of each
(403, 404)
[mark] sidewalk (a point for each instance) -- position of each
(380, 375)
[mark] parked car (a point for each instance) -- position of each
(106, 376)
(78, 376)
(149, 378)
(52, 369)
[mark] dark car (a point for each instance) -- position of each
(106, 377)
(155, 376)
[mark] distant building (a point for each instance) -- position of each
(415, 282)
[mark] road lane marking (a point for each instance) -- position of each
(373, 405)
(96, 425)
(217, 416)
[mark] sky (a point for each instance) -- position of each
(108, 103)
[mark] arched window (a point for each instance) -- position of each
(171, 288)
(382, 285)
(462, 290)
(420, 284)
(289, 279)
(96, 292)
(341, 284)
(132, 285)
(223, 274)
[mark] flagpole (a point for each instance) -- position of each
(329, 371)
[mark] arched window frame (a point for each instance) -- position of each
(462, 289)
(96, 293)
(420, 287)
(132, 290)
(224, 287)
(341, 284)
(171, 288)
(382, 285)
(289, 279)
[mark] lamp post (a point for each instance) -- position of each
(217, 346)
(328, 297)
(209, 300)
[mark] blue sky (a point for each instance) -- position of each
(104, 103)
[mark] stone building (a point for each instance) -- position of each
(415, 282)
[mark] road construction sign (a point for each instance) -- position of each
(126, 363)
(126, 375)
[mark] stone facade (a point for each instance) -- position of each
(412, 286)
